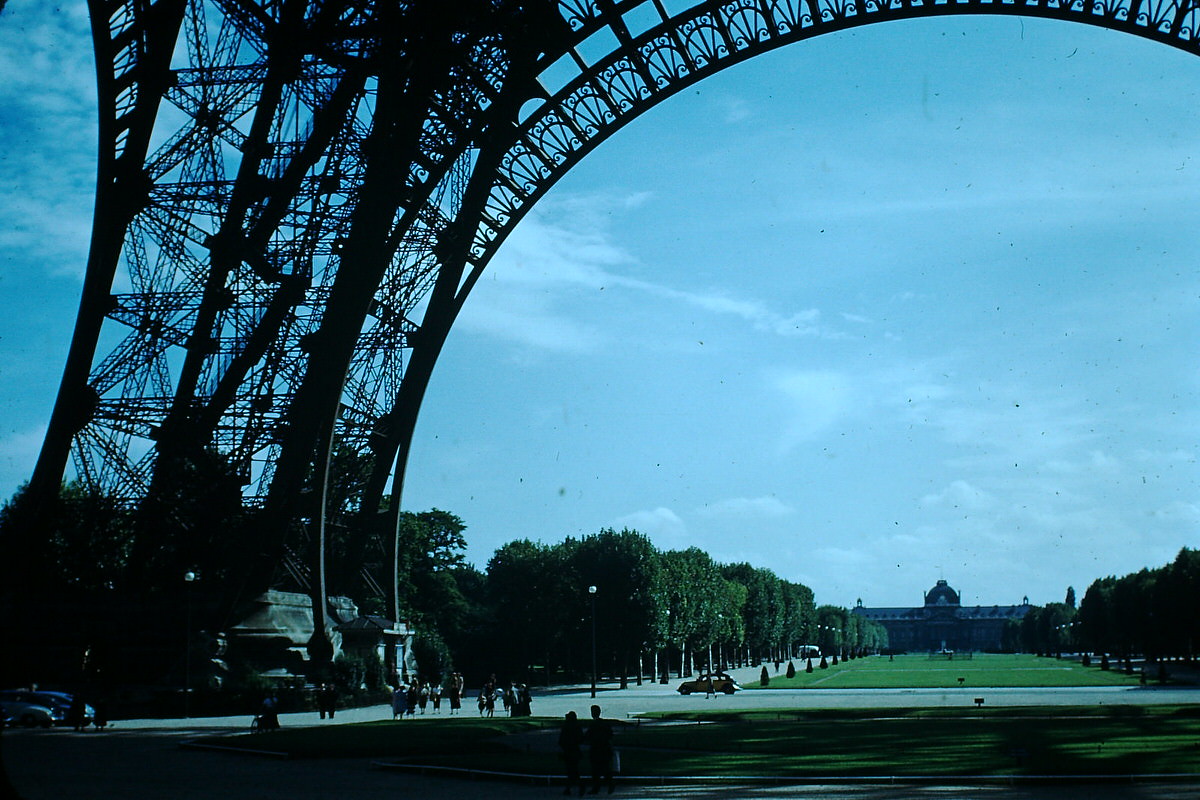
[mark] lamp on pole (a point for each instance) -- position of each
(592, 593)
(189, 578)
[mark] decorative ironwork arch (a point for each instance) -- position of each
(295, 198)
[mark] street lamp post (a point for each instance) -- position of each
(189, 578)
(592, 592)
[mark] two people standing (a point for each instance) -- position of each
(598, 738)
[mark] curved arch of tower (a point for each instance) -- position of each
(294, 199)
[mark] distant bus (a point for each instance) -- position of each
(810, 651)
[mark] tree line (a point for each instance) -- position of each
(533, 612)
(1149, 613)
(543, 611)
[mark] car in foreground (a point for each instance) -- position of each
(706, 682)
(33, 709)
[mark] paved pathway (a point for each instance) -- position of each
(142, 758)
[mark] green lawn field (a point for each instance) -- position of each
(802, 744)
(831, 743)
(921, 672)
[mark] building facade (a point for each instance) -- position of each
(943, 623)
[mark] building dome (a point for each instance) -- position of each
(941, 595)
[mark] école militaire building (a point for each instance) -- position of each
(943, 623)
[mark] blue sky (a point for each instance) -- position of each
(902, 303)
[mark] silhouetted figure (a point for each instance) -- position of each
(413, 695)
(327, 700)
(99, 716)
(570, 740)
(456, 687)
(76, 714)
(600, 751)
(268, 715)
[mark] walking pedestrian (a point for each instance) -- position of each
(456, 687)
(399, 701)
(412, 699)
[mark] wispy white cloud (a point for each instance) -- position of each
(47, 136)
(766, 506)
(960, 494)
(815, 401)
(1180, 512)
(529, 292)
(661, 524)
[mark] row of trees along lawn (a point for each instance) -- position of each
(1148, 613)
(1151, 612)
(532, 613)
(653, 612)
(529, 612)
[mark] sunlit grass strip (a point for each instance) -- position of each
(1004, 742)
(385, 738)
(919, 672)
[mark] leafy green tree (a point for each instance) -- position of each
(799, 624)
(531, 588)
(832, 625)
(1097, 619)
(627, 572)
(763, 611)
(80, 546)
(691, 588)
(193, 518)
(434, 661)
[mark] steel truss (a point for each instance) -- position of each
(295, 198)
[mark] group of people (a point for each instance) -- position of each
(598, 737)
(517, 700)
(407, 698)
(77, 716)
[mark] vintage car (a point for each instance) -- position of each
(31, 709)
(715, 682)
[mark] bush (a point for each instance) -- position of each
(432, 655)
(809, 668)
(824, 664)
(791, 670)
(763, 678)
(373, 672)
(349, 672)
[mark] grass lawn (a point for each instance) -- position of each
(920, 672)
(390, 739)
(913, 742)
(1109, 740)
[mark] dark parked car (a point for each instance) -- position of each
(720, 682)
(38, 709)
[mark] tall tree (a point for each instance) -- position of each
(531, 587)
(433, 545)
(626, 570)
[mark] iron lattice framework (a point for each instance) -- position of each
(295, 198)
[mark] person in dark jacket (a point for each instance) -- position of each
(570, 740)
(600, 750)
